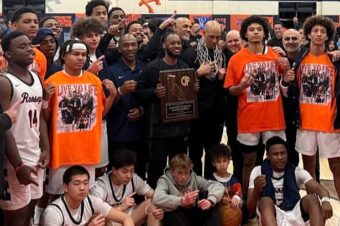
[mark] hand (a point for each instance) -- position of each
(205, 69)
(279, 50)
(49, 90)
(157, 213)
(160, 90)
(221, 73)
(335, 55)
(108, 84)
(284, 63)
(189, 198)
(204, 204)
(114, 29)
(134, 114)
(44, 159)
(128, 202)
(289, 75)
(128, 86)
(24, 175)
(97, 221)
(326, 210)
(97, 65)
(168, 22)
(246, 81)
(235, 202)
(259, 183)
(12, 112)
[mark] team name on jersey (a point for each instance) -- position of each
(26, 98)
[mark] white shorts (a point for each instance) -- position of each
(287, 218)
(253, 139)
(54, 183)
(20, 195)
(308, 141)
(104, 161)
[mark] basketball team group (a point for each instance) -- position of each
(83, 140)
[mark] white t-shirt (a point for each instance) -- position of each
(115, 195)
(301, 176)
(62, 216)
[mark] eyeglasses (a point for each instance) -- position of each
(291, 38)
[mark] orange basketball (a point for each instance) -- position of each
(230, 216)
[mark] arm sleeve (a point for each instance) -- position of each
(100, 207)
(145, 87)
(99, 190)
(302, 176)
(230, 75)
(215, 189)
(141, 186)
(254, 173)
(151, 49)
(162, 198)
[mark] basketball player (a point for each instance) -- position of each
(30, 132)
(77, 208)
(118, 187)
(274, 191)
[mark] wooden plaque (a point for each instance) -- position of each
(180, 102)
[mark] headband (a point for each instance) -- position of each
(76, 46)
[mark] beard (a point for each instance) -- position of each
(171, 54)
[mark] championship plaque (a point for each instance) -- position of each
(180, 101)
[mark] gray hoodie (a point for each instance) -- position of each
(168, 194)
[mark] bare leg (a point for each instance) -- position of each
(334, 165)
(311, 205)
(309, 163)
(267, 210)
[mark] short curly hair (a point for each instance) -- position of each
(85, 26)
(322, 21)
(254, 20)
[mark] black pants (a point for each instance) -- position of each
(139, 147)
(203, 135)
(293, 155)
(192, 217)
(159, 150)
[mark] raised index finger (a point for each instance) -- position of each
(132, 194)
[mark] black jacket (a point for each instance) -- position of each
(293, 92)
(145, 91)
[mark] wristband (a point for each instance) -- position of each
(285, 84)
(146, 209)
(19, 167)
(325, 199)
(44, 104)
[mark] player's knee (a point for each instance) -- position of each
(266, 203)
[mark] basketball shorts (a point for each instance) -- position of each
(19, 195)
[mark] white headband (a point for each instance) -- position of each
(76, 46)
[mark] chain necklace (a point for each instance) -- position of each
(203, 57)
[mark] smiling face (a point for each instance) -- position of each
(291, 40)
(173, 45)
(128, 47)
(54, 26)
(27, 24)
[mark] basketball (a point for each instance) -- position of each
(230, 216)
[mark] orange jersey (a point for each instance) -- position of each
(76, 118)
(39, 64)
(316, 79)
(259, 105)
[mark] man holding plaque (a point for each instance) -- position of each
(165, 139)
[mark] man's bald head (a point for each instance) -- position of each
(212, 34)
(291, 40)
(128, 47)
(233, 40)
(183, 28)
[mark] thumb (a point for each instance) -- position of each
(101, 58)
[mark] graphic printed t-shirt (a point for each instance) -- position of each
(259, 105)
(316, 79)
(76, 118)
